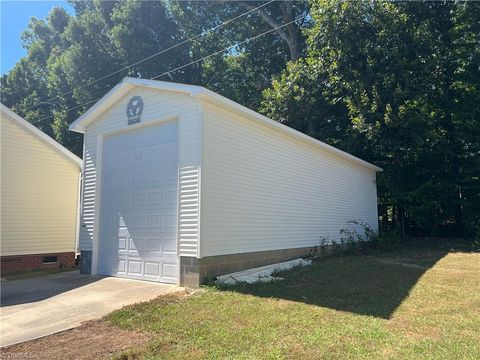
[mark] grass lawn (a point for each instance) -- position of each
(415, 303)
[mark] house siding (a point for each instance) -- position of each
(265, 190)
(157, 105)
(39, 194)
(189, 184)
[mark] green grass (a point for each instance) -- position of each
(414, 303)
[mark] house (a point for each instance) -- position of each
(182, 185)
(40, 183)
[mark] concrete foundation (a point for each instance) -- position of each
(195, 272)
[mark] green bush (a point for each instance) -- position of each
(353, 240)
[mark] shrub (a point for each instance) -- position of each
(353, 240)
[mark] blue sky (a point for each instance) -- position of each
(15, 16)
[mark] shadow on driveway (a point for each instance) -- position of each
(37, 307)
(25, 291)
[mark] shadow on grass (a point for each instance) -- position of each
(372, 285)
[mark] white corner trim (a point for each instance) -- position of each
(200, 114)
(96, 207)
(42, 136)
(78, 221)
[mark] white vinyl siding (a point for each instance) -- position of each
(158, 105)
(265, 190)
(39, 194)
(189, 184)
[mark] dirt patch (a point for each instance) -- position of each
(93, 340)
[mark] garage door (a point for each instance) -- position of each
(138, 208)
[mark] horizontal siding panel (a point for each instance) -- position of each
(263, 190)
(188, 223)
(39, 193)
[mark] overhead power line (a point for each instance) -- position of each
(70, 109)
(227, 48)
(198, 60)
(152, 56)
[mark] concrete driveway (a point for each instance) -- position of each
(41, 306)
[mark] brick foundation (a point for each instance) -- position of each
(18, 263)
(194, 272)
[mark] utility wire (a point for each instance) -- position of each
(227, 48)
(69, 109)
(152, 56)
(198, 60)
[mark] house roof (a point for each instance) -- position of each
(199, 92)
(40, 135)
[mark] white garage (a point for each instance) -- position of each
(182, 184)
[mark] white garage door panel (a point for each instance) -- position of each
(138, 216)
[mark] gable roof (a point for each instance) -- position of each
(40, 135)
(199, 92)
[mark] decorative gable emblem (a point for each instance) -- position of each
(134, 110)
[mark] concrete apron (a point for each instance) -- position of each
(260, 274)
(37, 307)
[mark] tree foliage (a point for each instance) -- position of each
(67, 55)
(395, 83)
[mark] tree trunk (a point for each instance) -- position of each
(290, 33)
(294, 35)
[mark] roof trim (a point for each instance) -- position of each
(118, 91)
(40, 135)
(204, 94)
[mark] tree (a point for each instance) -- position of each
(285, 13)
(396, 83)
(242, 74)
(26, 85)
(70, 57)
(396, 75)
